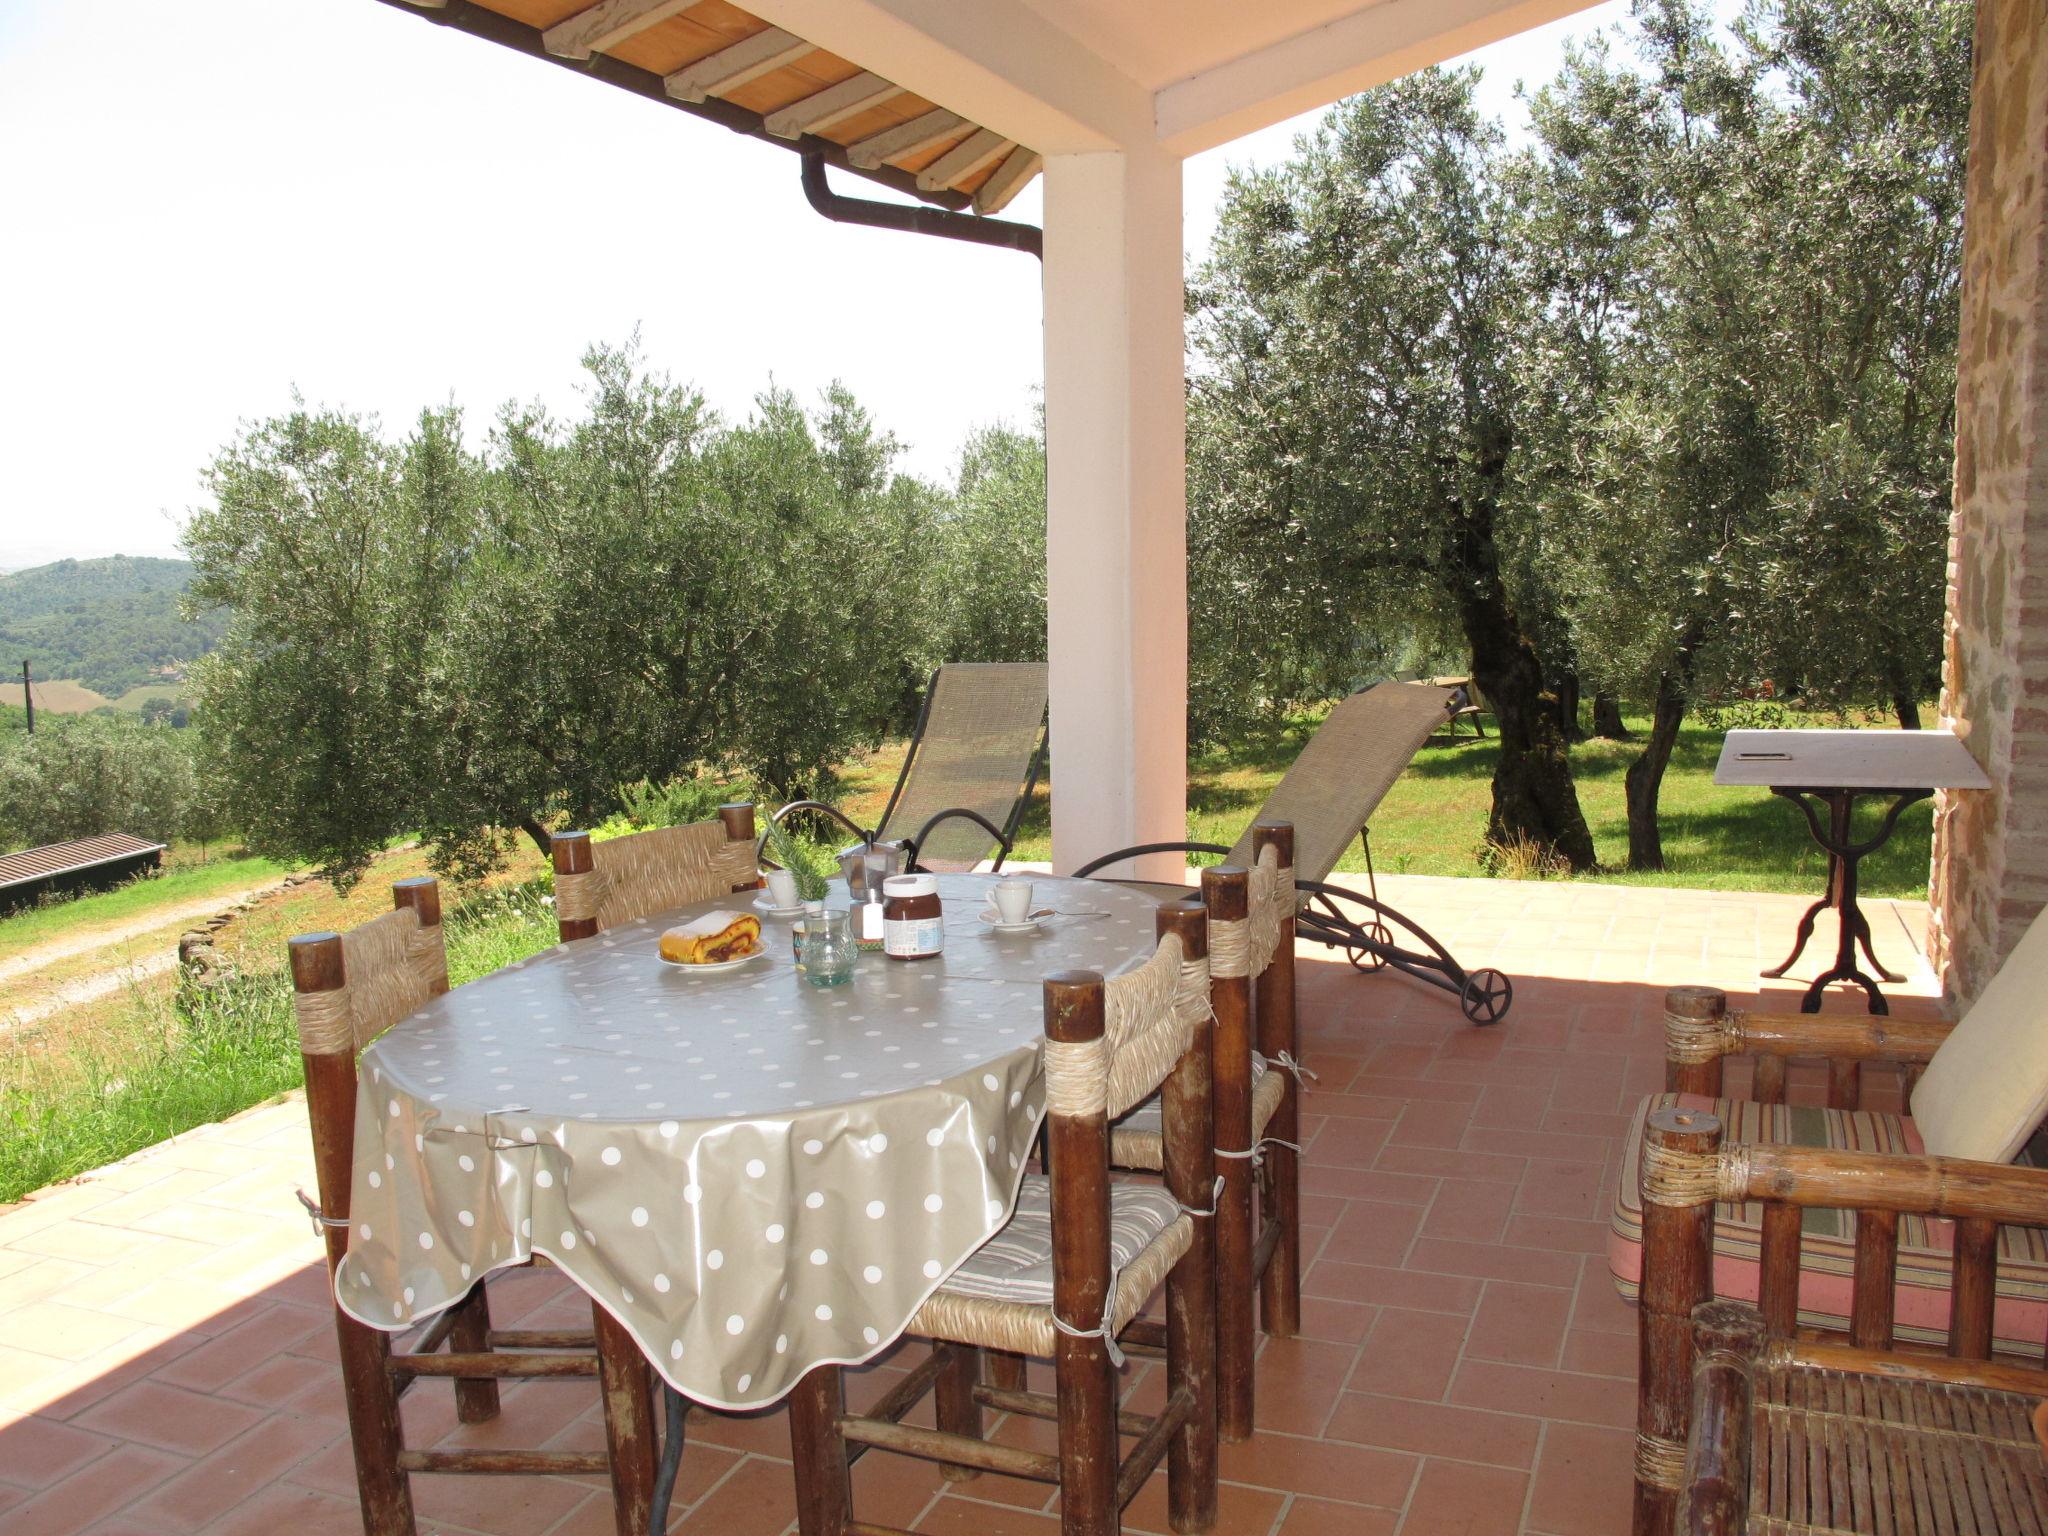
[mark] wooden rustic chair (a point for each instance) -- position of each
(1068, 1272)
(349, 988)
(600, 885)
(1750, 1425)
(1257, 1113)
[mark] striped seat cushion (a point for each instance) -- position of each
(1016, 1264)
(1827, 1255)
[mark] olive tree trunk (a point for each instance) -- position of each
(1534, 798)
(1607, 722)
(1646, 773)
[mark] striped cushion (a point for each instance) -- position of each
(1827, 1254)
(1016, 1264)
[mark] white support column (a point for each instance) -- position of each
(1116, 493)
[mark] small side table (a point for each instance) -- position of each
(1827, 770)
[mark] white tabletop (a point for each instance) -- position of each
(1880, 759)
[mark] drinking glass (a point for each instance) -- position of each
(828, 948)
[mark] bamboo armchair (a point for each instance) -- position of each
(1107, 1245)
(348, 989)
(600, 885)
(1257, 1114)
(1748, 1424)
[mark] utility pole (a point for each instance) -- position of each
(28, 700)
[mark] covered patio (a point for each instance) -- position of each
(167, 1347)
(166, 1340)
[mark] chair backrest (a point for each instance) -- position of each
(347, 989)
(1109, 1045)
(1986, 1089)
(600, 885)
(976, 748)
(1346, 769)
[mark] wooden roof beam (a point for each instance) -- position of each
(1007, 180)
(935, 127)
(607, 24)
(976, 152)
(730, 68)
(833, 105)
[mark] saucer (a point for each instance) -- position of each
(993, 924)
(761, 904)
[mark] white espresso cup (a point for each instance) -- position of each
(1012, 900)
(781, 889)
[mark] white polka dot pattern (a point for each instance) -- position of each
(753, 1175)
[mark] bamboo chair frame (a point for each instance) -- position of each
(1686, 1168)
(375, 1376)
(1095, 1477)
(1258, 1129)
(600, 885)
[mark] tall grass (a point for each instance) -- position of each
(203, 1052)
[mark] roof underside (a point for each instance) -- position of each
(715, 60)
(54, 859)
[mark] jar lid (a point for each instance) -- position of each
(911, 885)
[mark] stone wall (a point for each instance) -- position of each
(1990, 869)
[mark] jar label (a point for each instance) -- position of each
(911, 937)
(870, 920)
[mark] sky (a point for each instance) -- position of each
(332, 197)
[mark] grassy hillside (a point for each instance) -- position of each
(107, 626)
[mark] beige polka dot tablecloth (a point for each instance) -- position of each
(754, 1175)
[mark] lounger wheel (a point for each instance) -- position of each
(1486, 997)
(1371, 959)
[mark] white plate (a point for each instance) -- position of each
(762, 904)
(994, 925)
(716, 965)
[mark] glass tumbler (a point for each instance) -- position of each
(828, 948)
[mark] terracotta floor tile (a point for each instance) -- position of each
(1544, 1393)
(1593, 1353)
(1372, 1232)
(758, 1498)
(1584, 1481)
(238, 1471)
(281, 1507)
(1320, 1517)
(62, 1332)
(1240, 1511)
(955, 1516)
(36, 1452)
(499, 1506)
(1410, 1354)
(169, 1418)
(94, 1492)
(1490, 1261)
(1381, 1286)
(228, 1356)
(1520, 1324)
(1432, 1429)
(1455, 1499)
(1326, 1468)
(1469, 1210)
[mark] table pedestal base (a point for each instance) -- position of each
(1844, 854)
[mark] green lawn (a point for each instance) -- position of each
(1433, 820)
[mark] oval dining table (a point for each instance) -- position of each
(753, 1175)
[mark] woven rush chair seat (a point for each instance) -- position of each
(1001, 1297)
(1827, 1247)
(1134, 1140)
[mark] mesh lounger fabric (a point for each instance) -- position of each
(980, 734)
(1827, 1246)
(1338, 781)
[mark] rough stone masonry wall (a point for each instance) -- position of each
(1990, 868)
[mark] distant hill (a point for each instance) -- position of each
(110, 625)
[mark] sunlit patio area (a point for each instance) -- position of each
(167, 1345)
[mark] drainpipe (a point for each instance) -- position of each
(916, 220)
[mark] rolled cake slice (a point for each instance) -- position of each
(711, 938)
